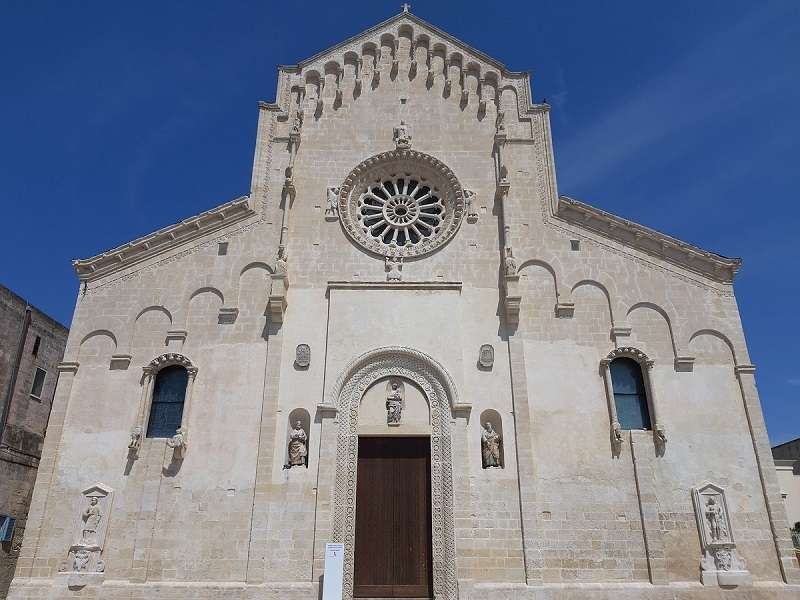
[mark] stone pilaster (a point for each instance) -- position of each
(776, 509)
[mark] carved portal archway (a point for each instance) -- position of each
(437, 385)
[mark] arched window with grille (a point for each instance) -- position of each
(630, 394)
(169, 394)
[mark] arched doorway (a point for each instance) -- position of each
(438, 388)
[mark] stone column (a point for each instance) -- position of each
(776, 510)
(27, 564)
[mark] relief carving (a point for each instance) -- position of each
(302, 356)
(395, 393)
(469, 202)
(510, 263)
(486, 356)
(491, 444)
(394, 268)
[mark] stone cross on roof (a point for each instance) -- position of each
(405, 6)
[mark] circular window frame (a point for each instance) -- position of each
(401, 164)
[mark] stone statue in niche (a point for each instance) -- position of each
(491, 444)
(395, 393)
(332, 206)
(720, 563)
(510, 263)
(716, 527)
(402, 138)
(298, 446)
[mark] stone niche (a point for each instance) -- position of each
(414, 418)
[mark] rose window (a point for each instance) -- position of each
(401, 203)
(401, 210)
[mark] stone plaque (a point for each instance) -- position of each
(303, 356)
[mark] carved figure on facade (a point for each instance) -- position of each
(332, 206)
(298, 446)
(469, 205)
(402, 137)
(491, 444)
(91, 522)
(394, 268)
(395, 395)
(509, 262)
(135, 441)
(500, 123)
(282, 262)
(720, 562)
(178, 442)
(297, 123)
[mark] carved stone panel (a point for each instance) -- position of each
(302, 356)
(395, 399)
(84, 555)
(720, 563)
(486, 356)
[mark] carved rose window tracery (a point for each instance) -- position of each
(401, 203)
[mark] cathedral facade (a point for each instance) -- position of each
(404, 341)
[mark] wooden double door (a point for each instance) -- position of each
(393, 518)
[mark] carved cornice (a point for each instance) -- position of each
(163, 239)
(687, 256)
(629, 352)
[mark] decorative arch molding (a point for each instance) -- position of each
(663, 313)
(629, 352)
(168, 359)
(440, 391)
(718, 335)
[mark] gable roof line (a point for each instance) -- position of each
(419, 21)
(163, 239)
(629, 233)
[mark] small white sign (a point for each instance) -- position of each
(334, 565)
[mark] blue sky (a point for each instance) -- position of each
(119, 118)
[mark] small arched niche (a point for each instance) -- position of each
(293, 451)
(488, 457)
(373, 415)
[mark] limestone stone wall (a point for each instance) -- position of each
(566, 510)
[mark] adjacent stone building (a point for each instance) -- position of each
(405, 341)
(787, 464)
(31, 347)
